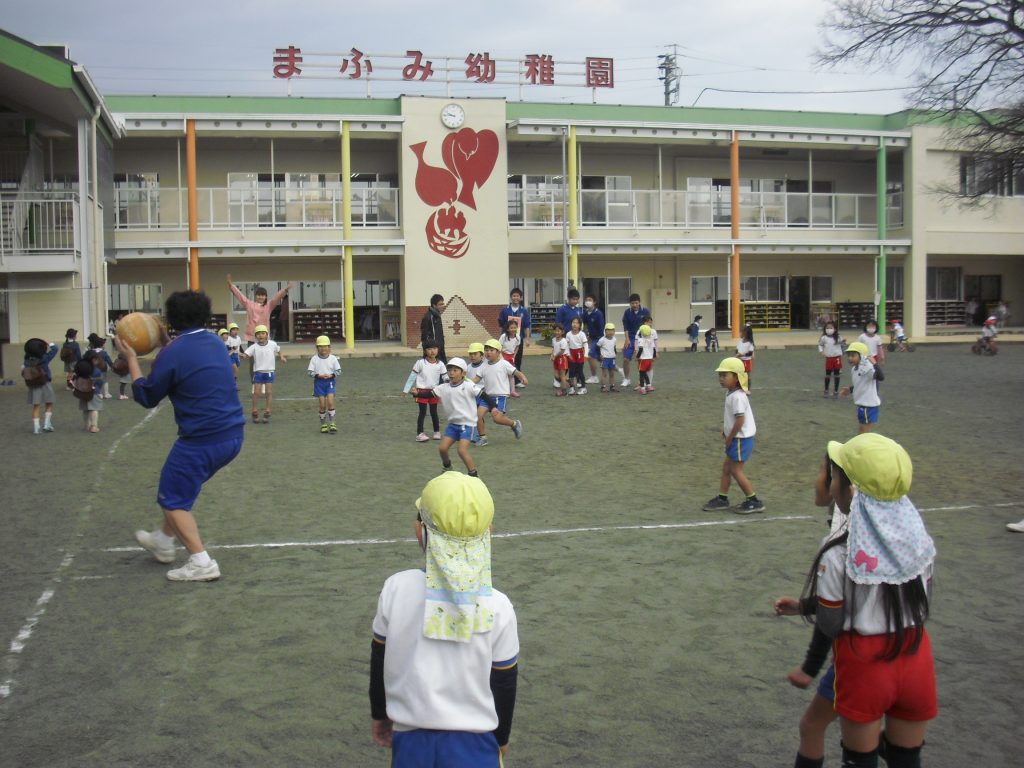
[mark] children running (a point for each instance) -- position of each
(263, 354)
(865, 390)
(495, 377)
(428, 373)
(509, 341)
(738, 429)
(459, 398)
(606, 348)
(830, 347)
(324, 368)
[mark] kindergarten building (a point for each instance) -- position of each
(772, 218)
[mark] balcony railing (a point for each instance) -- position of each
(38, 222)
(694, 210)
(227, 208)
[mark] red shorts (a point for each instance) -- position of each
(646, 365)
(834, 363)
(510, 358)
(868, 688)
(561, 363)
(748, 365)
(577, 355)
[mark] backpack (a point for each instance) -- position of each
(100, 363)
(83, 388)
(120, 366)
(67, 354)
(34, 375)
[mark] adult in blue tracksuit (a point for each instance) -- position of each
(632, 319)
(565, 313)
(593, 324)
(196, 375)
(516, 310)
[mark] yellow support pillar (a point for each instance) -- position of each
(346, 222)
(734, 266)
(193, 206)
(573, 187)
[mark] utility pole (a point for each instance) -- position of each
(671, 75)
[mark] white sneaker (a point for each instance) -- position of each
(192, 572)
(107, 396)
(581, 391)
(625, 383)
(593, 380)
(572, 390)
(421, 438)
(1018, 527)
(149, 542)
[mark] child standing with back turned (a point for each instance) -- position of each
(324, 368)
(738, 430)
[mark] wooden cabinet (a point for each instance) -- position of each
(944, 313)
(307, 324)
(854, 314)
(767, 315)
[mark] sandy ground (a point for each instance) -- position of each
(641, 645)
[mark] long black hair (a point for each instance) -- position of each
(898, 600)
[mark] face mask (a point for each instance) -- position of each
(830, 331)
(588, 304)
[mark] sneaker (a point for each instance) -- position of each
(255, 417)
(107, 396)
(323, 429)
(125, 397)
(332, 428)
(572, 391)
(612, 388)
(266, 417)
(560, 393)
(593, 380)
(517, 429)
(826, 393)
(604, 388)
(192, 572)
(421, 438)
(519, 385)
(715, 504)
(650, 388)
(640, 388)
(436, 435)
(48, 428)
(556, 383)
(582, 391)
(37, 431)
(483, 441)
(625, 383)
(749, 507)
(1018, 527)
(149, 543)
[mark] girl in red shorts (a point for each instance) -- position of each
(745, 351)
(870, 592)
(830, 346)
(560, 359)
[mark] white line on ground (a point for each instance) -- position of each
(557, 531)
(17, 645)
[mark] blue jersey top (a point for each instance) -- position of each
(593, 323)
(564, 315)
(520, 313)
(196, 374)
(631, 322)
(44, 361)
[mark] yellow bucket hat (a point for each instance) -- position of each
(493, 344)
(222, 331)
(232, 326)
(323, 341)
(734, 365)
(858, 347)
(261, 329)
(456, 505)
(476, 346)
(609, 326)
(877, 465)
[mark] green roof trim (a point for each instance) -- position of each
(709, 116)
(252, 105)
(25, 57)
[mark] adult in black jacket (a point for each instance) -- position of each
(431, 328)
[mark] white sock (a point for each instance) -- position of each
(35, 423)
(331, 414)
(47, 418)
(162, 538)
(323, 416)
(202, 559)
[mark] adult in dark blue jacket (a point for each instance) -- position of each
(196, 375)
(565, 313)
(516, 310)
(632, 319)
(593, 324)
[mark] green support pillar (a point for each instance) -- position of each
(883, 214)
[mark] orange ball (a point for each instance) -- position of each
(140, 331)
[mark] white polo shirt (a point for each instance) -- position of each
(324, 366)
(607, 347)
(736, 404)
(494, 377)
(459, 401)
(263, 356)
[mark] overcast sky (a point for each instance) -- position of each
(220, 47)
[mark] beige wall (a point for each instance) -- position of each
(480, 276)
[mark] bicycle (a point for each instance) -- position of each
(896, 345)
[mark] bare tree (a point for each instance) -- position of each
(969, 60)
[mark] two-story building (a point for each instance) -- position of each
(370, 206)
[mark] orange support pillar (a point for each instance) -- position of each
(734, 265)
(193, 208)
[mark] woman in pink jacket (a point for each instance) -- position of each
(257, 309)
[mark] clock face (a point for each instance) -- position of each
(452, 116)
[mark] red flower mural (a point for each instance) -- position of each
(469, 157)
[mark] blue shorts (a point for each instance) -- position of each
(627, 351)
(235, 358)
(444, 749)
(593, 352)
(827, 684)
(460, 431)
(867, 414)
(188, 466)
(608, 363)
(263, 377)
(740, 448)
(500, 400)
(323, 387)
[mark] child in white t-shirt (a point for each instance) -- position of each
(510, 341)
(871, 340)
(459, 398)
(645, 358)
(428, 373)
(560, 360)
(324, 368)
(606, 348)
(745, 351)
(830, 347)
(576, 343)
(649, 322)
(498, 377)
(738, 430)
(233, 342)
(264, 354)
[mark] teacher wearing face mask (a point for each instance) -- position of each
(516, 311)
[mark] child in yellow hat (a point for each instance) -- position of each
(234, 346)
(263, 354)
(324, 368)
(444, 657)
(865, 387)
(738, 430)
